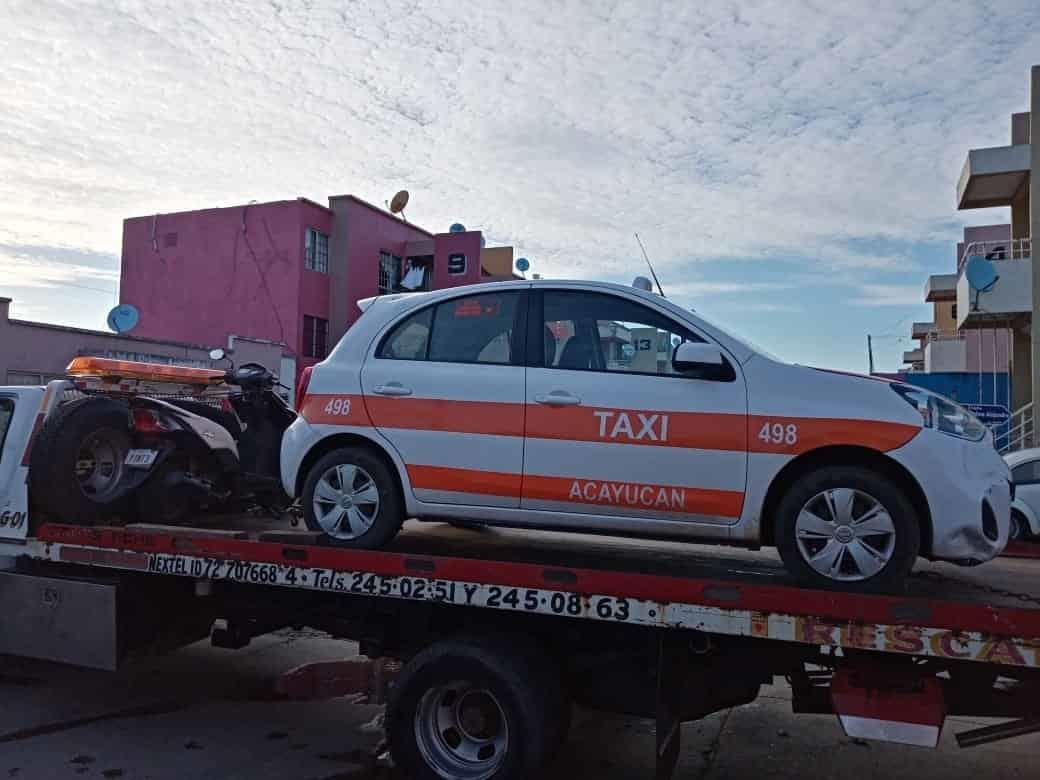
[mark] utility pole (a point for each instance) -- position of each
(1034, 234)
(870, 354)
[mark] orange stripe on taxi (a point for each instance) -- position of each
(631, 495)
(491, 483)
(794, 435)
(693, 430)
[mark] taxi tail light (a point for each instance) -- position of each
(302, 385)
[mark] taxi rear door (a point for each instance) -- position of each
(446, 388)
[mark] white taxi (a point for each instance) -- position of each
(587, 406)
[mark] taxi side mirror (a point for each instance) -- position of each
(700, 360)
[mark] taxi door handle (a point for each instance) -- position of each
(558, 398)
(392, 389)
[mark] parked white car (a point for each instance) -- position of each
(1025, 508)
(595, 407)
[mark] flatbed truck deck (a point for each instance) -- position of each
(671, 631)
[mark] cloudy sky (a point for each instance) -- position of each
(790, 166)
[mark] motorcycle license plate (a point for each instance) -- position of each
(140, 459)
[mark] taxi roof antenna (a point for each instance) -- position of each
(647, 258)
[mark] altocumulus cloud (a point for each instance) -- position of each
(722, 130)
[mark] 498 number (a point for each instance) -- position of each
(778, 433)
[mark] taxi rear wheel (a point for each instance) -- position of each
(848, 528)
(1019, 526)
(350, 496)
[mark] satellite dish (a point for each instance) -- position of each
(980, 273)
(457, 227)
(399, 201)
(123, 318)
(522, 264)
(981, 276)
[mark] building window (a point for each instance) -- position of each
(316, 254)
(31, 378)
(456, 264)
(417, 276)
(389, 273)
(315, 337)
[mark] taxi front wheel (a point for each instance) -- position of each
(352, 499)
(848, 528)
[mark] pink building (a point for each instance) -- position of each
(288, 271)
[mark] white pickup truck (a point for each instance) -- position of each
(22, 412)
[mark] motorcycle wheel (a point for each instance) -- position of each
(77, 464)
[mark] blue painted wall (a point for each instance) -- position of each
(968, 388)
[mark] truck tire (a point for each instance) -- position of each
(848, 528)
(351, 497)
(476, 708)
(76, 463)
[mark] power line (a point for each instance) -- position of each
(111, 291)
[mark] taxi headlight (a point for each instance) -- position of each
(941, 413)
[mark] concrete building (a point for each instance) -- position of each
(287, 271)
(1007, 176)
(33, 353)
(943, 346)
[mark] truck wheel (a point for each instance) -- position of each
(476, 709)
(848, 528)
(77, 464)
(351, 497)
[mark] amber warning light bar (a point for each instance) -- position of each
(145, 372)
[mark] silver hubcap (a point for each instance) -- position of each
(99, 462)
(845, 534)
(461, 731)
(346, 501)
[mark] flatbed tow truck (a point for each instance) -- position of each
(499, 631)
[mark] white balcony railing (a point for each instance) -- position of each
(1019, 433)
(1008, 249)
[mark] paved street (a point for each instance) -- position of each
(206, 713)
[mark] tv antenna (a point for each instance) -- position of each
(647, 258)
(397, 204)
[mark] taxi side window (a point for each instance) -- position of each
(598, 332)
(474, 329)
(409, 340)
(1026, 473)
